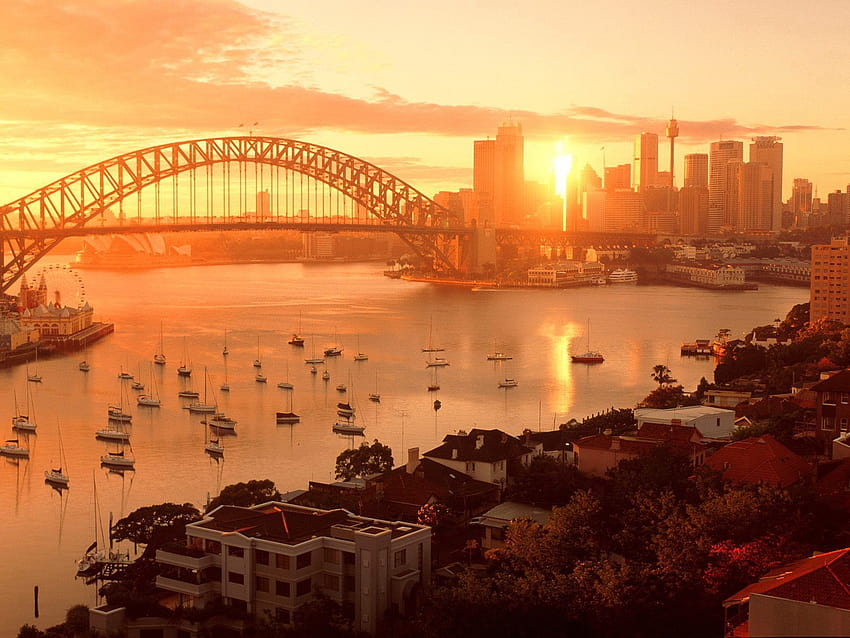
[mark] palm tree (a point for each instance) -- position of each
(661, 374)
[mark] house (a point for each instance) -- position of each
(598, 453)
(712, 423)
(832, 408)
(273, 558)
(810, 597)
(557, 444)
(760, 459)
(485, 455)
(725, 398)
(495, 521)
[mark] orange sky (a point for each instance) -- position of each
(409, 86)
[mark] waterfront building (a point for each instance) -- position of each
(720, 154)
(696, 170)
(646, 161)
(830, 284)
(274, 558)
(712, 423)
(767, 150)
(12, 336)
(566, 273)
(709, 275)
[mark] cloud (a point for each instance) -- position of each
(197, 65)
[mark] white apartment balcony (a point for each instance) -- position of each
(186, 585)
(186, 557)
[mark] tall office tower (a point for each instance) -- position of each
(624, 210)
(731, 205)
(768, 150)
(646, 161)
(509, 175)
(837, 208)
(696, 170)
(672, 134)
(801, 196)
(755, 197)
(483, 162)
(719, 154)
(830, 283)
(618, 177)
(693, 210)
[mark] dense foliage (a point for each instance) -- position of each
(246, 494)
(364, 460)
(156, 524)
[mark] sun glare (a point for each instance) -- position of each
(563, 164)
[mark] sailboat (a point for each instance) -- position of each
(346, 423)
(137, 384)
(58, 477)
(185, 369)
(286, 385)
(220, 421)
(159, 357)
(360, 356)
(92, 561)
(116, 412)
(35, 377)
(225, 387)
(498, 355)
(118, 459)
(436, 362)
(202, 406)
(434, 385)
(591, 356)
(13, 447)
(289, 417)
(431, 347)
(150, 400)
(23, 421)
(335, 350)
(257, 362)
(374, 397)
(213, 446)
(296, 339)
(314, 359)
(509, 382)
(225, 351)
(113, 432)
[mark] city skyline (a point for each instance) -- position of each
(106, 78)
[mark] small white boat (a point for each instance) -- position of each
(84, 366)
(184, 371)
(326, 375)
(13, 447)
(344, 409)
(22, 422)
(214, 448)
(116, 413)
(124, 375)
(56, 477)
(341, 387)
(110, 434)
(286, 418)
(188, 394)
(159, 358)
(346, 427)
(220, 421)
(436, 362)
(148, 401)
(260, 378)
(622, 276)
(499, 356)
(34, 378)
(374, 397)
(117, 459)
(508, 383)
(137, 385)
(313, 370)
(200, 408)
(285, 385)
(361, 357)
(314, 361)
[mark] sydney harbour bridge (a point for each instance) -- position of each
(248, 182)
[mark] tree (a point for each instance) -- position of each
(157, 524)
(661, 374)
(365, 460)
(246, 494)
(77, 619)
(667, 396)
(30, 631)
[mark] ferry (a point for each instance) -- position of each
(622, 276)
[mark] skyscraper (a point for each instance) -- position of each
(646, 161)
(483, 176)
(801, 202)
(768, 151)
(509, 175)
(696, 170)
(755, 197)
(720, 154)
(617, 177)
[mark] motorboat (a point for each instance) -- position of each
(341, 387)
(188, 394)
(622, 276)
(148, 401)
(591, 356)
(296, 340)
(499, 356)
(436, 362)
(313, 370)
(326, 375)
(285, 385)
(286, 418)
(84, 366)
(260, 378)
(347, 427)
(433, 387)
(508, 383)
(333, 351)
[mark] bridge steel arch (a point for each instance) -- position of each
(72, 201)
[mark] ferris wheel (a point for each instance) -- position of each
(65, 287)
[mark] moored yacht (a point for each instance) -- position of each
(622, 276)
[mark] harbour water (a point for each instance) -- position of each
(352, 305)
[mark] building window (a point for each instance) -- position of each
(330, 582)
(400, 558)
(282, 615)
(235, 551)
(303, 560)
(262, 557)
(843, 425)
(470, 467)
(844, 398)
(331, 556)
(212, 547)
(304, 587)
(281, 561)
(281, 588)
(826, 423)
(348, 558)
(262, 583)
(236, 577)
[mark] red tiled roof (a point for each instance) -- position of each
(760, 459)
(275, 521)
(669, 433)
(839, 382)
(822, 579)
(605, 442)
